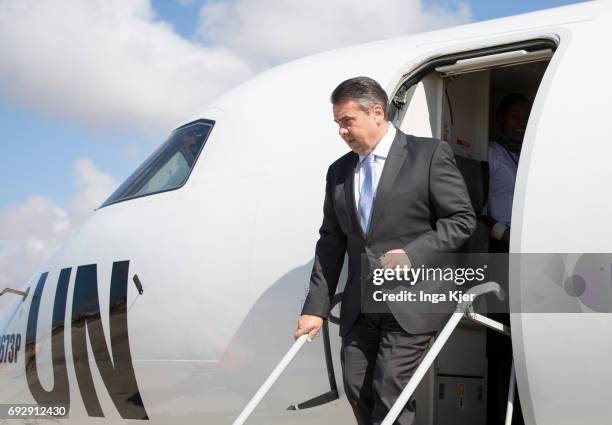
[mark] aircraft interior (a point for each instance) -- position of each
(456, 98)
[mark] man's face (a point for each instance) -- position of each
(360, 130)
(513, 120)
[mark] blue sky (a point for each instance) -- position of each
(88, 90)
(487, 9)
(38, 152)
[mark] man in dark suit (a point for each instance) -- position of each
(399, 199)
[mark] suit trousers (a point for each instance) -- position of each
(378, 358)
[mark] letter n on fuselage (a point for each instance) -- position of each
(117, 372)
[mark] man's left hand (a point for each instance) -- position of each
(395, 257)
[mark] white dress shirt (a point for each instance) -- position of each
(502, 175)
(380, 152)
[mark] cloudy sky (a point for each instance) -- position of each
(89, 88)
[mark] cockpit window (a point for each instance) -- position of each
(169, 166)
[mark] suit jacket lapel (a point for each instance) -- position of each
(393, 163)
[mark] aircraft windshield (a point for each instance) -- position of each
(169, 166)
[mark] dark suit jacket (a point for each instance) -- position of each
(421, 206)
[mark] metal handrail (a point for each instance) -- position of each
(510, 402)
(24, 294)
(332, 394)
(461, 311)
(263, 390)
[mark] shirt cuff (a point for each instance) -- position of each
(497, 231)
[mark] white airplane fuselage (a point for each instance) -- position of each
(224, 260)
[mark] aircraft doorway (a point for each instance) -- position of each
(457, 98)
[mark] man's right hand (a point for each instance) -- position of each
(308, 324)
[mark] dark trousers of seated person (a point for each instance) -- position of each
(499, 356)
(378, 359)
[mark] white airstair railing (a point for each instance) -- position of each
(464, 309)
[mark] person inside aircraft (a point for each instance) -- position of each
(503, 156)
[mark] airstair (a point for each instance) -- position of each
(464, 310)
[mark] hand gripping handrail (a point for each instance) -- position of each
(461, 310)
(278, 370)
(332, 394)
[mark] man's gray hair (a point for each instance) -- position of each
(363, 90)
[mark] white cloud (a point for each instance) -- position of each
(94, 187)
(268, 32)
(109, 63)
(31, 231)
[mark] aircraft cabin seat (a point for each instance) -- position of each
(476, 176)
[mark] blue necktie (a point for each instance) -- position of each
(367, 195)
